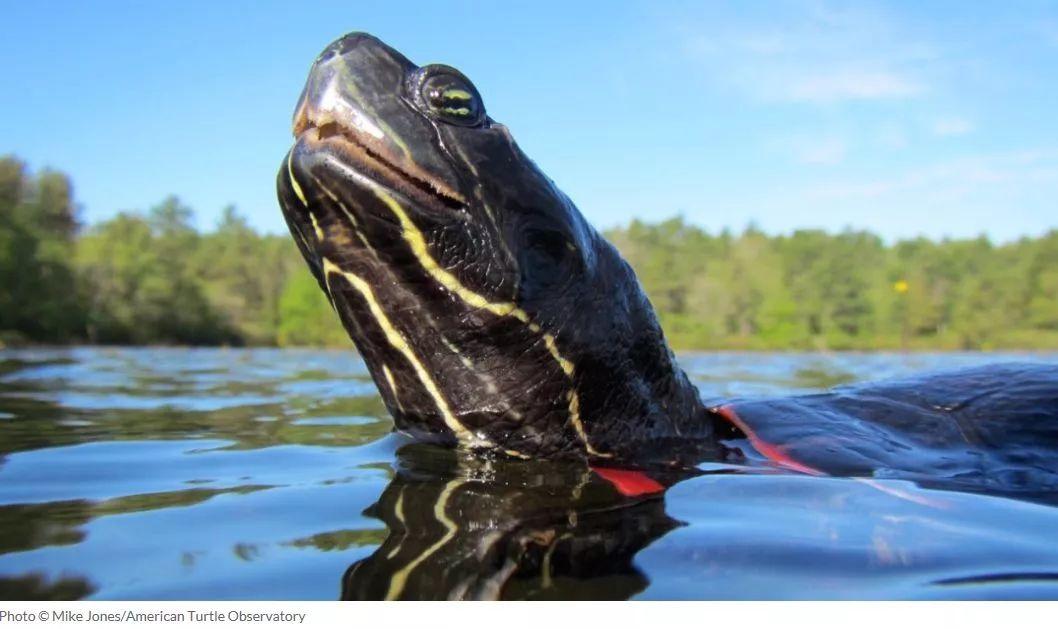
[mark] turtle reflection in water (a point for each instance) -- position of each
(467, 528)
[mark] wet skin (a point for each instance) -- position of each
(493, 317)
(490, 313)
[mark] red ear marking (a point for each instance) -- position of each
(629, 482)
(774, 452)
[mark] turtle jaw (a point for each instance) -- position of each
(354, 109)
(354, 150)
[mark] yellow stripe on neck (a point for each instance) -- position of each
(398, 342)
(294, 182)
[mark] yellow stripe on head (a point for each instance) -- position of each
(417, 241)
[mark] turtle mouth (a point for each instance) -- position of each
(371, 158)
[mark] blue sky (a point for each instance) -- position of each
(907, 118)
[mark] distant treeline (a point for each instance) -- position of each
(151, 278)
(814, 290)
(147, 278)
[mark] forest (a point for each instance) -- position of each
(149, 277)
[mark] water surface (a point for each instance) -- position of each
(273, 474)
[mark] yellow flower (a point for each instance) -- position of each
(901, 286)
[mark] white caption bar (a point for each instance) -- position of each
(627, 615)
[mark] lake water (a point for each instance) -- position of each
(273, 474)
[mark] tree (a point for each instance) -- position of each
(143, 284)
(243, 274)
(39, 296)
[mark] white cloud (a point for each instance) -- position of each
(951, 179)
(821, 151)
(762, 43)
(892, 136)
(851, 84)
(952, 126)
(818, 56)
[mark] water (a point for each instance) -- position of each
(272, 474)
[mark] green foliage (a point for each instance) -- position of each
(140, 274)
(39, 297)
(814, 290)
(155, 279)
(306, 317)
(244, 275)
(151, 278)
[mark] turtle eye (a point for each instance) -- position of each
(449, 96)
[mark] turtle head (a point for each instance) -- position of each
(488, 310)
